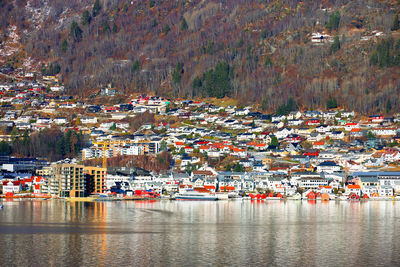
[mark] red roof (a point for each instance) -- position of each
(235, 149)
(209, 187)
(311, 195)
(201, 190)
(320, 143)
(353, 186)
(252, 143)
(230, 188)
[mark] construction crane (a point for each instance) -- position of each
(104, 144)
(119, 143)
(104, 155)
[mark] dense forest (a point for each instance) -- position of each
(52, 144)
(257, 51)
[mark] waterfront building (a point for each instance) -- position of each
(95, 178)
(67, 180)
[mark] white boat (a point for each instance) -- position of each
(295, 197)
(222, 196)
(234, 196)
(343, 198)
(191, 194)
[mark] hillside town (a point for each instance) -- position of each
(206, 147)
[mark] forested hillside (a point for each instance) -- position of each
(316, 53)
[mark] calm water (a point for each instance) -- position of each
(220, 233)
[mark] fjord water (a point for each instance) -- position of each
(223, 233)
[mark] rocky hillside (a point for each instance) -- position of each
(312, 53)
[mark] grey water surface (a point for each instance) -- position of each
(222, 233)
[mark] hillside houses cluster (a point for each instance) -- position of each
(252, 150)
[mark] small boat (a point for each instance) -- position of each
(81, 199)
(1, 206)
(234, 196)
(295, 197)
(222, 196)
(343, 198)
(191, 194)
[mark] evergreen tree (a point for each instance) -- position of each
(334, 20)
(106, 27)
(135, 66)
(396, 23)
(286, 108)
(240, 43)
(25, 139)
(217, 81)
(264, 104)
(388, 106)
(248, 56)
(86, 18)
(5, 148)
(60, 147)
(335, 45)
(67, 142)
(64, 46)
(96, 8)
(177, 74)
(228, 167)
(386, 54)
(114, 28)
(166, 29)
(274, 141)
(184, 25)
(238, 168)
(163, 146)
(370, 135)
(14, 134)
(75, 32)
(331, 103)
(268, 61)
(197, 83)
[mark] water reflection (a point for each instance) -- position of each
(146, 233)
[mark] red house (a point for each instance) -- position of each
(375, 118)
(312, 153)
(311, 122)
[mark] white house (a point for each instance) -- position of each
(60, 120)
(87, 120)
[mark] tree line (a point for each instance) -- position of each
(214, 83)
(51, 143)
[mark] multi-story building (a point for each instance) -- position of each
(95, 182)
(67, 180)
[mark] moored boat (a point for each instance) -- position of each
(222, 196)
(295, 197)
(190, 194)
